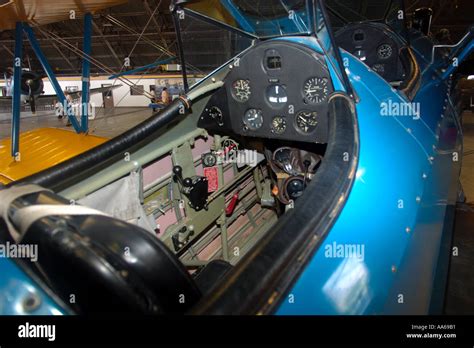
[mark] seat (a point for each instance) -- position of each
(100, 264)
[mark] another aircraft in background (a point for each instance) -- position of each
(32, 92)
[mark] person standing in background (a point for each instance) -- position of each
(69, 101)
(165, 96)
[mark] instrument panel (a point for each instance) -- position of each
(277, 90)
(375, 45)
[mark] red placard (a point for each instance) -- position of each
(211, 174)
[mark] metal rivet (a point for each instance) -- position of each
(424, 176)
(408, 230)
(394, 269)
(409, 130)
(30, 303)
(418, 199)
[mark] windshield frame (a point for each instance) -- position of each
(312, 7)
(233, 11)
(385, 19)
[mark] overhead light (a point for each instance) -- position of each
(470, 77)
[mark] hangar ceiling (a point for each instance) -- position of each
(116, 32)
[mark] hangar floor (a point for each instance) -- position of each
(461, 281)
(107, 123)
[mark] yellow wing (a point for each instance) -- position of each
(40, 149)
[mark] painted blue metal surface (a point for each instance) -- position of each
(399, 228)
(47, 68)
(16, 287)
(296, 22)
(142, 68)
(86, 68)
(16, 100)
(241, 20)
(463, 55)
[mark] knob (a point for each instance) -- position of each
(178, 171)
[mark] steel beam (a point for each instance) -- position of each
(16, 100)
(155, 22)
(86, 69)
(135, 33)
(52, 78)
(177, 28)
(142, 68)
(8, 50)
(111, 49)
(63, 56)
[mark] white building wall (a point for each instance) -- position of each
(122, 97)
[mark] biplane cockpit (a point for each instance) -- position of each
(204, 189)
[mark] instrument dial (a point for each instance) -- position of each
(316, 90)
(278, 125)
(253, 119)
(209, 160)
(216, 114)
(241, 90)
(307, 121)
(276, 95)
(384, 51)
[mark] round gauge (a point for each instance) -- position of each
(253, 119)
(379, 68)
(384, 51)
(306, 121)
(278, 125)
(316, 90)
(216, 114)
(276, 95)
(209, 160)
(241, 90)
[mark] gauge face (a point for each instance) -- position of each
(316, 90)
(216, 114)
(278, 125)
(241, 90)
(276, 95)
(253, 119)
(306, 121)
(209, 160)
(384, 51)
